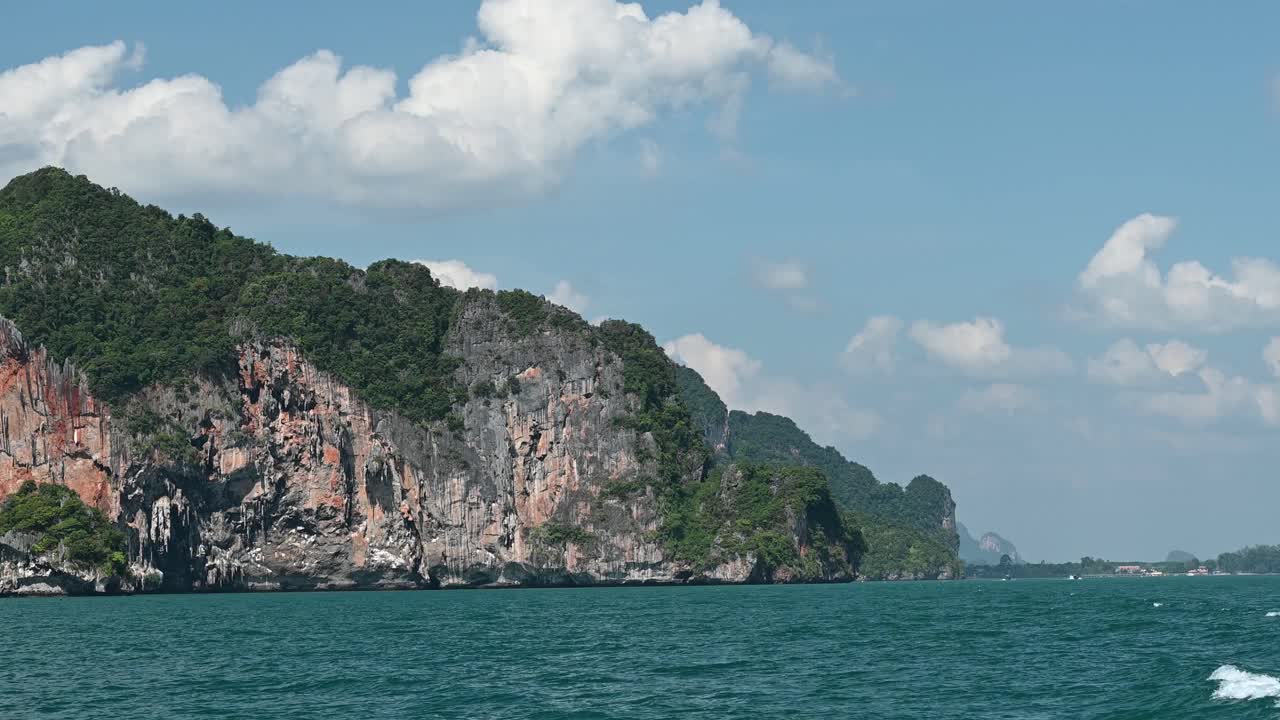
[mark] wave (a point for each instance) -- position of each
(1237, 684)
(1274, 613)
(1157, 604)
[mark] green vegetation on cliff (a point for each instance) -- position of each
(135, 296)
(706, 408)
(896, 552)
(131, 294)
(380, 330)
(921, 505)
(650, 377)
(746, 508)
(59, 519)
(904, 528)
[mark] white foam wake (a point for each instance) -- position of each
(1237, 684)
(1274, 613)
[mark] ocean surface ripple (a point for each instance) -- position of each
(1126, 648)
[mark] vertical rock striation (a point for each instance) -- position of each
(277, 477)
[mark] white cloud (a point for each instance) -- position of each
(979, 347)
(650, 158)
(738, 379)
(793, 68)
(565, 295)
(1123, 287)
(500, 121)
(788, 277)
(1271, 356)
(1176, 357)
(872, 348)
(726, 370)
(1125, 363)
(998, 397)
(456, 274)
(1222, 397)
(784, 275)
(973, 345)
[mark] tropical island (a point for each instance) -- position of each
(185, 409)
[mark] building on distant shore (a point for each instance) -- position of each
(1128, 570)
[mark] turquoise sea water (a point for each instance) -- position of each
(1138, 648)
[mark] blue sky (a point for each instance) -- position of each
(758, 191)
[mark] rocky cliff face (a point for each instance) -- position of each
(279, 477)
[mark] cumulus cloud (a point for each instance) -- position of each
(456, 274)
(1125, 363)
(565, 295)
(1006, 398)
(871, 350)
(501, 120)
(741, 383)
(1123, 287)
(978, 347)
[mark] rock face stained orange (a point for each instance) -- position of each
(51, 429)
(294, 483)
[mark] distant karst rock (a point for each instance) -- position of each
(986, 550)
(1179, 556)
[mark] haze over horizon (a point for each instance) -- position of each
(1034, 258)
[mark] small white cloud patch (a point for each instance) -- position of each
(784, 275)
(565, 295)
(871, 350)
(978, 347)
(456, 274)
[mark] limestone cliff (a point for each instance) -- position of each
(246, 419)
(284, 479)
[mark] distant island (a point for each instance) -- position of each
(987, 550)
(186, 409)
(1254, 560)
